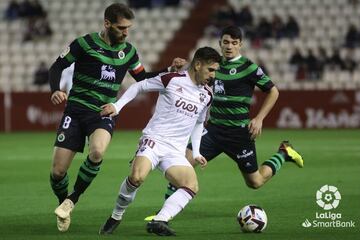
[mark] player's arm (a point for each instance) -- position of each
(264, 83)
(195, 142)
(138, 72)
(256, 123)
(148, 85)
(69, 55)
(196, 137)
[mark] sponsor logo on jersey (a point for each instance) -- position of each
(260, 72)
(245, 154)
(219, 87)
(107, 73)
(100, 50)
(180, 90)
(186, 108)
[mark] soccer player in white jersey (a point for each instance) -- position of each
(180, 112)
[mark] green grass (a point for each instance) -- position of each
(331, 157)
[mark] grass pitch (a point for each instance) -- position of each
(331, 157)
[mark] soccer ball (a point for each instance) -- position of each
(252, 218)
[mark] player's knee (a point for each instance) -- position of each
(96, 155)
(193, 186)
(137, 179)
(58, 173)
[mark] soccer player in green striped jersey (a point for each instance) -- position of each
(229, 129)
(101, 62)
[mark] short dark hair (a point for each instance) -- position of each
(207, 54)
(116, 10)
(234, 32)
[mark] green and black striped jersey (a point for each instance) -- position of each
(99, 69)
(233, 89)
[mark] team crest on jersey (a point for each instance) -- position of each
(121, 54)
(65, 52)
(219, 87)
(61, 137)
(202, 97)
(107, 73)
(232, 71)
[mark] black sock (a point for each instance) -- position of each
(87, 172)
(60, 187)
(170, 190)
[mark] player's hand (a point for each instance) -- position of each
(201, 160)
(108, 110)
(177, 64)
(58, 97)
(255, 128)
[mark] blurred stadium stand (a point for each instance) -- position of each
(323, 23)
(161, 33)
(152, 29)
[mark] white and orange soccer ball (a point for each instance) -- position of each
(252, 218)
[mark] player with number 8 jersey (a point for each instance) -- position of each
(101, 61)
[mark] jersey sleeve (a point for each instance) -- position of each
(71, 54)
(137, 70)
(262, 80)
(148, 85)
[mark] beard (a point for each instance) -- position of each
(114, 38)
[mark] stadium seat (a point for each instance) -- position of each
(153, 28)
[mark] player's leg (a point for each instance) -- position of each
(255, 178)
(141, 167)
(69, 140)
(208, 148)
(184, 178)
(59, 179)
(98, 143)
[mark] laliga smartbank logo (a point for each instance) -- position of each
(328, 198)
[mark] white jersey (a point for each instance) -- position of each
(180, 105)
(66, 78)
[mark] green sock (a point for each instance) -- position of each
(87, 172)
(60, 187)
(275, 162)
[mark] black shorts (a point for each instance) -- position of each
(78, 123)
(235, 143)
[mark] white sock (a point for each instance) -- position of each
(126, 195)
(174, 204)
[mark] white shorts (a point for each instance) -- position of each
(160, 154)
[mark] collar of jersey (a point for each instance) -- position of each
(98, 40)
(237, 60)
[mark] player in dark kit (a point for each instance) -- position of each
(101, 62)
(229, 129)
